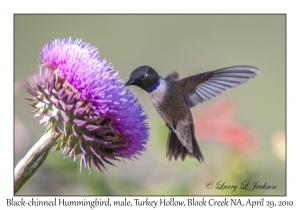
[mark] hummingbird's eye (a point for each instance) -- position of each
(143, 75)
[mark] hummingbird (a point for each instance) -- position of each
(173, 98)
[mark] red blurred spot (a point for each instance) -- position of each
(217, 123)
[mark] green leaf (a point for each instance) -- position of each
(57, 146)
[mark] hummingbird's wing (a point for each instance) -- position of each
(173, 76)
(202, 87)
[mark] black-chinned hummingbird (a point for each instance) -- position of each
(173, 98)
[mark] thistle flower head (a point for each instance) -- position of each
(81, 98)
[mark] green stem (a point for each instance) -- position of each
(33, 169)
(33, 159)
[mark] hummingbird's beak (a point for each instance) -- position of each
(129, 82)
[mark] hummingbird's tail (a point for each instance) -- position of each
(176, 149)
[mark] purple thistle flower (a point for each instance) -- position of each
(81, 98)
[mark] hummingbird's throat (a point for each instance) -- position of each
(153, 87)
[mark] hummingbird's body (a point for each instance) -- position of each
(171, 107)
(173, 99)
(177, 116)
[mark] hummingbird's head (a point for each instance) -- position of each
(144, 77)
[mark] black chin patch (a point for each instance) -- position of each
(152, 87)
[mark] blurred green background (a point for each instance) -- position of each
(188, 44)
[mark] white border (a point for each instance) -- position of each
(113, 6)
